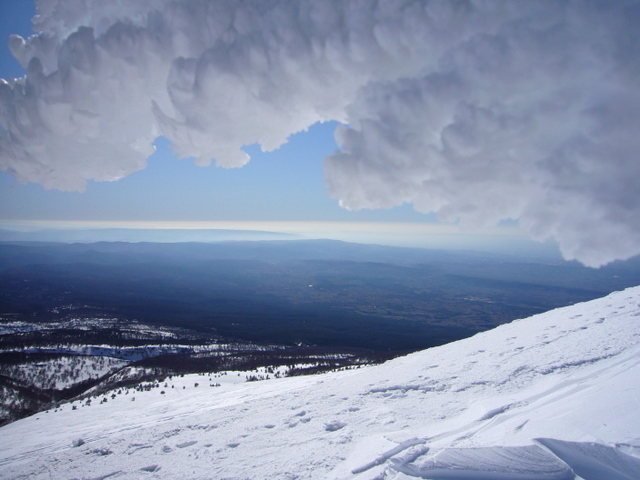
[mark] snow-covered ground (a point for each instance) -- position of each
(60, 373)
(555, 396)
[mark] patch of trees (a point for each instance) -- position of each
(21, 400)
(94, 336)
(323, 359)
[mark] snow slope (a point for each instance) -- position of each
(554, 396)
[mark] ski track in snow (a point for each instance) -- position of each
(555, 396)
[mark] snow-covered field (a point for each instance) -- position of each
(555, 396)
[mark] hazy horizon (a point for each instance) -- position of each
(505, 240)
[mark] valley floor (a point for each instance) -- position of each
(555, 396)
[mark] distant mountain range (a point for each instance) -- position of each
(138, 235)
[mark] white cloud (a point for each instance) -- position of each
(477, 110)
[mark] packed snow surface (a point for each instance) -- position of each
(555, 396)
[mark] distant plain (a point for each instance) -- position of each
(325, 293)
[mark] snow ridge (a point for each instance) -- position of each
(550, 397)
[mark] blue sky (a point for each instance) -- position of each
(284, 185)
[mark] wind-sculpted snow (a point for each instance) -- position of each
(593, 461)
(492, 463)
(551, 397)
(478, 110)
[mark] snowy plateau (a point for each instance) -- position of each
(554, 396)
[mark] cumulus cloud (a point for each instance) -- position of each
(477, 110)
